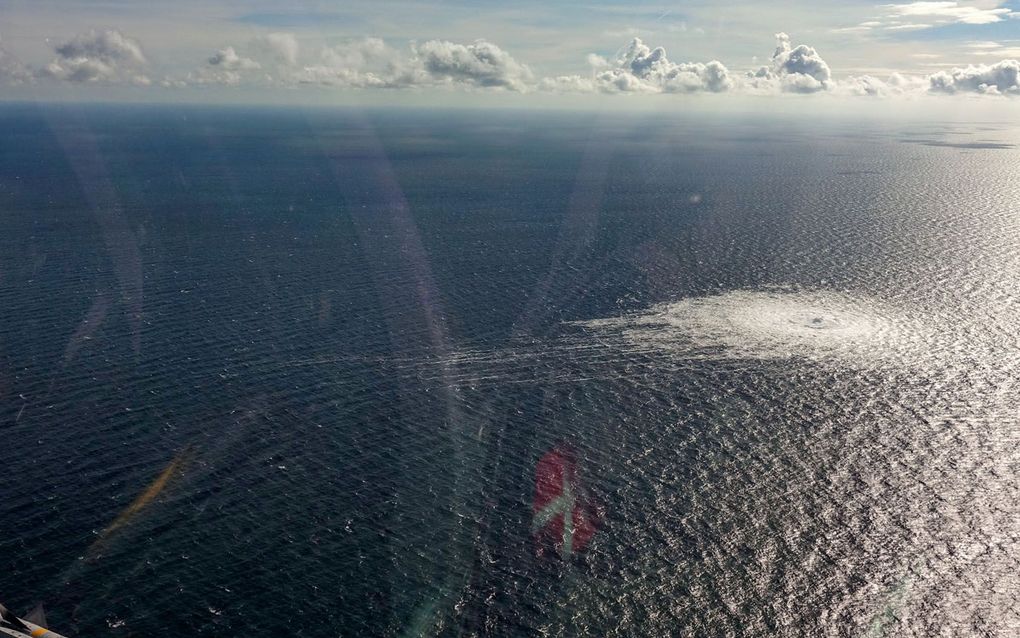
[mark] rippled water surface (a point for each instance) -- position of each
(292, 371)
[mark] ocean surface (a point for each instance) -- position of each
(290, 372)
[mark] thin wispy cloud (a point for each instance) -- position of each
(995, 49)
(916, 16)
(945, 12)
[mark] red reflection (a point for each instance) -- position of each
(564, 518)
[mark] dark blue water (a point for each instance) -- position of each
(268, 371)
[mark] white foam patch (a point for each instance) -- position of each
(772, 324)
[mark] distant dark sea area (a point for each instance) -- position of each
(286, 372)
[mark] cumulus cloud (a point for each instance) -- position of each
(109, 46)
(229, 60)
(225, 66)
(793, 69)
(173, 83)
(107, 56)
(12, 71)
(277, 53)
(568, 84)
(276, 59)
(360, 54)
(371, 63)
(1001, 78)
(651, 66)
(363, 63)
(480, 63)
(896, 84)
(641, 69)
(344, 77)
(284, 46)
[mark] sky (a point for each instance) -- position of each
(467, 51)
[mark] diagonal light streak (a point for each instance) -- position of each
(562, 504)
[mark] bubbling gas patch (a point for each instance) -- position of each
(772, 324)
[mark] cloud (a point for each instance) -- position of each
(653, 67)
(371, 63)
(225, 66)
(173, 83)
(363, 63)
(276, 59)
(1001, 78)
(284, 46)
(12, 71)
(346, 78)
(228, 60)
(109, 46)
(896, 84)
(98, 56)
(641, 69)
(276, 51)
(987, 48)
(985, 44)
(794, 69)
(947, 12)
(568, 84)
(364, 54)
(481, 64)
(912, 16)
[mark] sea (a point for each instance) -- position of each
(280, 371)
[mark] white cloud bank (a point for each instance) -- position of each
(371, 63)
(224, 66)
(278, 60)
(364, 63)
(1002, 78)
(479, 64)
(283, 45)
(793, 70)
(98, 56)
(896, 84)
(641, 69)
(12, 71)
(228, 59)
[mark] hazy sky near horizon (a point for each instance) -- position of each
(214, 48)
